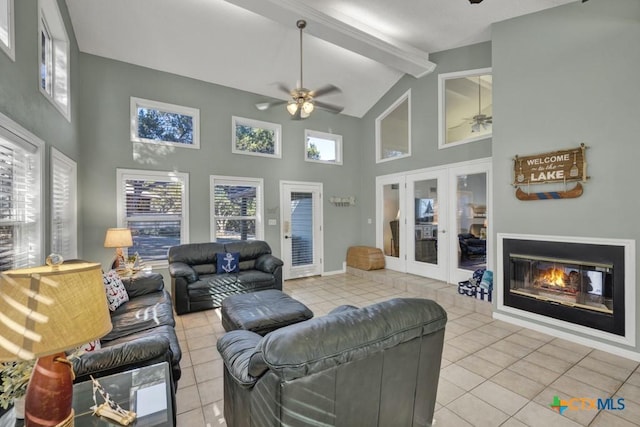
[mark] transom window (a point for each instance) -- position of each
(154, 206)
(53, 50)
(323, 147)
(162, 123)
(236, 208)
(20, 197)
(393, 130)
(64, 217)
(256, 138)
(7, 32)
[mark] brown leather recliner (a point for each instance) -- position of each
(374, 366)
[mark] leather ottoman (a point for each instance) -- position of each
(262, 312)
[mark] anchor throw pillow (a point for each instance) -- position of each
(227, 262)
(115, 290)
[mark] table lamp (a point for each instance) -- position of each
(43, 312)
(118, 238)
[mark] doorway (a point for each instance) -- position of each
(301, 228)
(434, 222)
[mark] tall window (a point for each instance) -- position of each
(393, 130)
(64, 216)
(236, 208)
(256, 138)
(7, 32)
(20, 197)
(154, 206)
(54, 57)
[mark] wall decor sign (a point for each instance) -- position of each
(563, 166)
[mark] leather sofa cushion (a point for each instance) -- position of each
(348, 336)
(230, 283)
(141, 313)
(196, 253)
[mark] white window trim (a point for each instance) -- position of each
(194, 113)
(59, 157)
(406, 96)
(139, 174)
(49, 15)
(337, 139)
(277, 128)
(239, 181)
(10, 48)
(442, 108)
(18, 135)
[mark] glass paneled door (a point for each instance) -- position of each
(301, 229)
(391, 226)
(427, 214)
(471, 215)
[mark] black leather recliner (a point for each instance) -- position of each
(196, 286)
(374, 366)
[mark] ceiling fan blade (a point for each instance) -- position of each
(329, 107)
(262, 106)
(284, 88)
(325, 90)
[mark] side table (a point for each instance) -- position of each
(146, 390)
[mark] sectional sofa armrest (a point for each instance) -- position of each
(122, 357)
(237, 349)
(268, 263)
(142, 284)
(181, 269)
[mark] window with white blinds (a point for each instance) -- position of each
(236, 208)
(154, 206)
(64, 214)
(20, 198)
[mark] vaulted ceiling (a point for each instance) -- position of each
(362, 46)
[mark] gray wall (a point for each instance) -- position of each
(21, 100)
(424, 128)
(106, 87)
(561, 77)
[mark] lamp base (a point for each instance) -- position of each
(50, 393)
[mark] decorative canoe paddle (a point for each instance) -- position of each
(545, 195)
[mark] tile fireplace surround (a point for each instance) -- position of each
(580, 289)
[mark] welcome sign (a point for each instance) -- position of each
(557, 166)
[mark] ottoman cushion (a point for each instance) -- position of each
(262, 312)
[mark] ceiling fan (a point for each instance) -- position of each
(303, 101)
(480, 120)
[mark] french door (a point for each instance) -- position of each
(424, 215)
(301, 228)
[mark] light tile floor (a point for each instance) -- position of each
(493, 373)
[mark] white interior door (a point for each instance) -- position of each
(301, 228)
(427, 220)
(390, 226)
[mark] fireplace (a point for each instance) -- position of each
(581, 284)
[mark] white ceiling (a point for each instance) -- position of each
(221, 42)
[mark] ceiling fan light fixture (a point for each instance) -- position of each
(307, 107)
(292, 107)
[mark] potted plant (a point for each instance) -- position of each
(13, 387)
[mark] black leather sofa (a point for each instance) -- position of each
(196, 286)
(143, 333)
(374, 366)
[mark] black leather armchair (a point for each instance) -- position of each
(471, 246)
(196, 286)
(373, 366)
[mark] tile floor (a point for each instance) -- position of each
(493, 373)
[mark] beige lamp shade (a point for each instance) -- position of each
(118, 238)
(50, 309)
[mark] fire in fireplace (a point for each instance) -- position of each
(580, 283)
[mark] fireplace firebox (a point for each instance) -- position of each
(581, 283)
